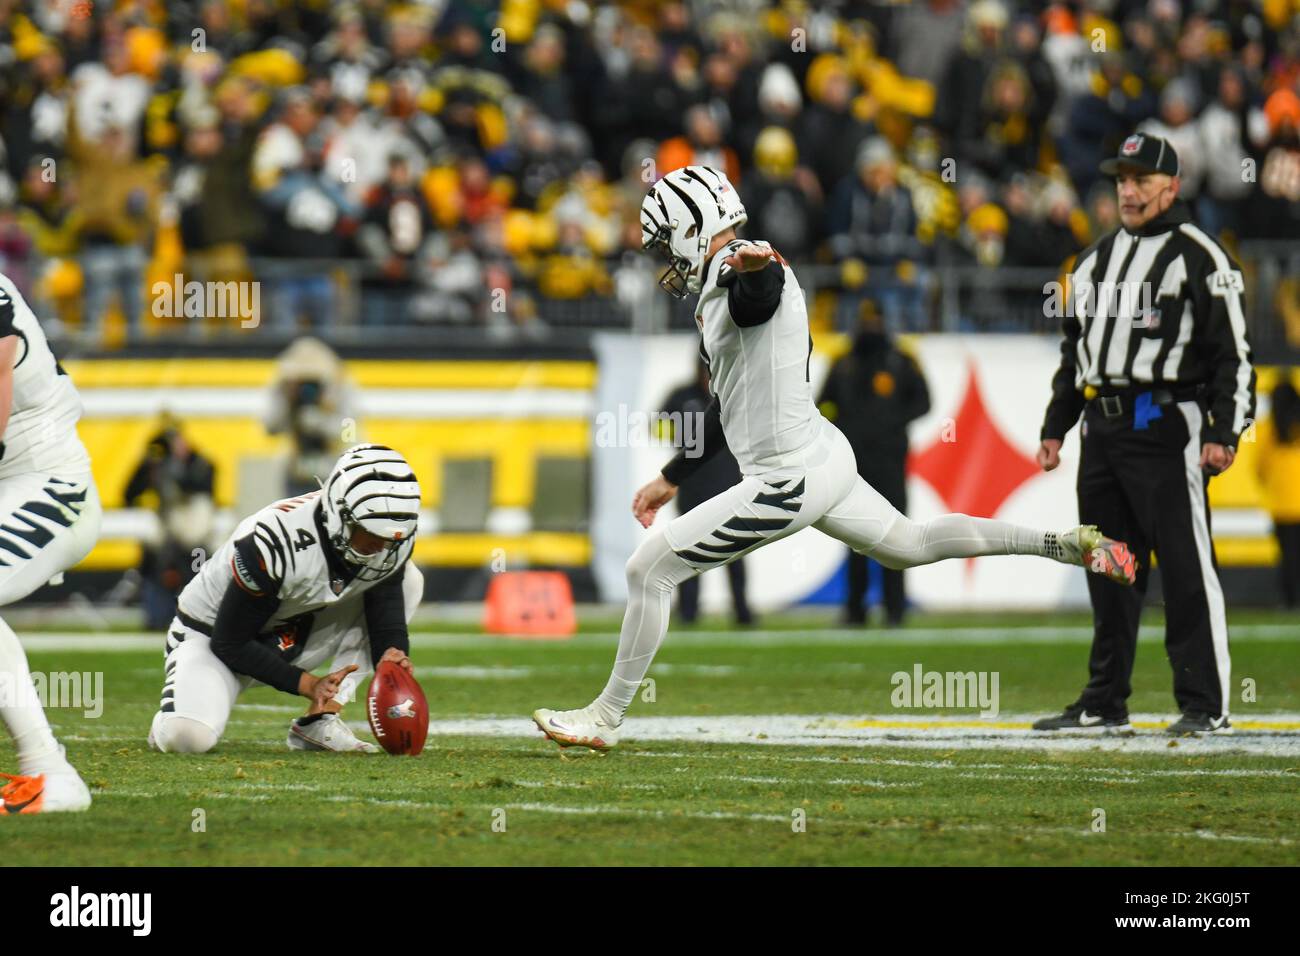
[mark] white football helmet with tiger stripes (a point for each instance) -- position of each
(679, 218)
(373, 488)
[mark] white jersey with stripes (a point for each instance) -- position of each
(41, 433)
(760, 373)
(287, 539)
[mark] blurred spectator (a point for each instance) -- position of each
(1277, 458)
(396, 227)
(964, 90)
(1039, 229)
(107, 96)
(1178, 105)
(701, 146)
(176, 482)
(832, 133)
(872, 394)
(347, 57)
(1025, 47)
(926, 35)
(219, 216)
(1103, 211)
(779, 99)
(1275, 204)
(1227, 127)
(1001, 137)
(871, 218)
(543, 74)
(309, 217)
(312, 99)
(311, 401)
(1098, 121)
(455, 278)
(462, 44)
(641, 98)
(116, 208)
(36, 121)
(783, 199)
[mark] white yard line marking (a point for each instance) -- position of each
(1269, 735)
(1055, 769)
(118, 641)
(475, 673)
(791, 782)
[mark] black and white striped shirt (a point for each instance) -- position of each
(1163, 306)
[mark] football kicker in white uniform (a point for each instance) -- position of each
(797, 468)
(49, 520)
(323, 577)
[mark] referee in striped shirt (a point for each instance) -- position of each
(1155, 359)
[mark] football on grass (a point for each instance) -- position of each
(399, 714)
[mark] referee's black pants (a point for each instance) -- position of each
(1144, 485)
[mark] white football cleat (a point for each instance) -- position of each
(55, 791)
(328, 733)
(577, 728)
(1087, 546)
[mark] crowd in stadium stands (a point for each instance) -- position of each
(473, 160)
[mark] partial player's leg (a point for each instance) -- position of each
(746, 516)
(688, 600)
(868, 523)
(739, 599)
(47, 524)
(1196, 621)
(1103, 500)
(198, 694)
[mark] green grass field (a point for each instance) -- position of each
(489, 790)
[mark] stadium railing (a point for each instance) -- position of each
(335, 298)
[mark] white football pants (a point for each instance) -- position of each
(47, 524)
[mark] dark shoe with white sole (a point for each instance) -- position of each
(1196, 724)
(1076, 719)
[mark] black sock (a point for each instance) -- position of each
(308, 721)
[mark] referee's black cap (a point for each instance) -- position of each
(1141, 151)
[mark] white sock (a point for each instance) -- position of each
(20, 707)
(614, 700)
(653, 572)
(910, 544)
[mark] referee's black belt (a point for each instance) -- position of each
(193, 623)
(1118, 402)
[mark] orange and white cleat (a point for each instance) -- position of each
(1086, 545)
(577, 728)
(61, 791)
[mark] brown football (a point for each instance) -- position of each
(398, 712)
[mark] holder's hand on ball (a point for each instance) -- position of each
(321, 690)
(398, 658)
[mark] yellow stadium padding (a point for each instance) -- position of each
(224, 373)
(116, 446)
(439, 550)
